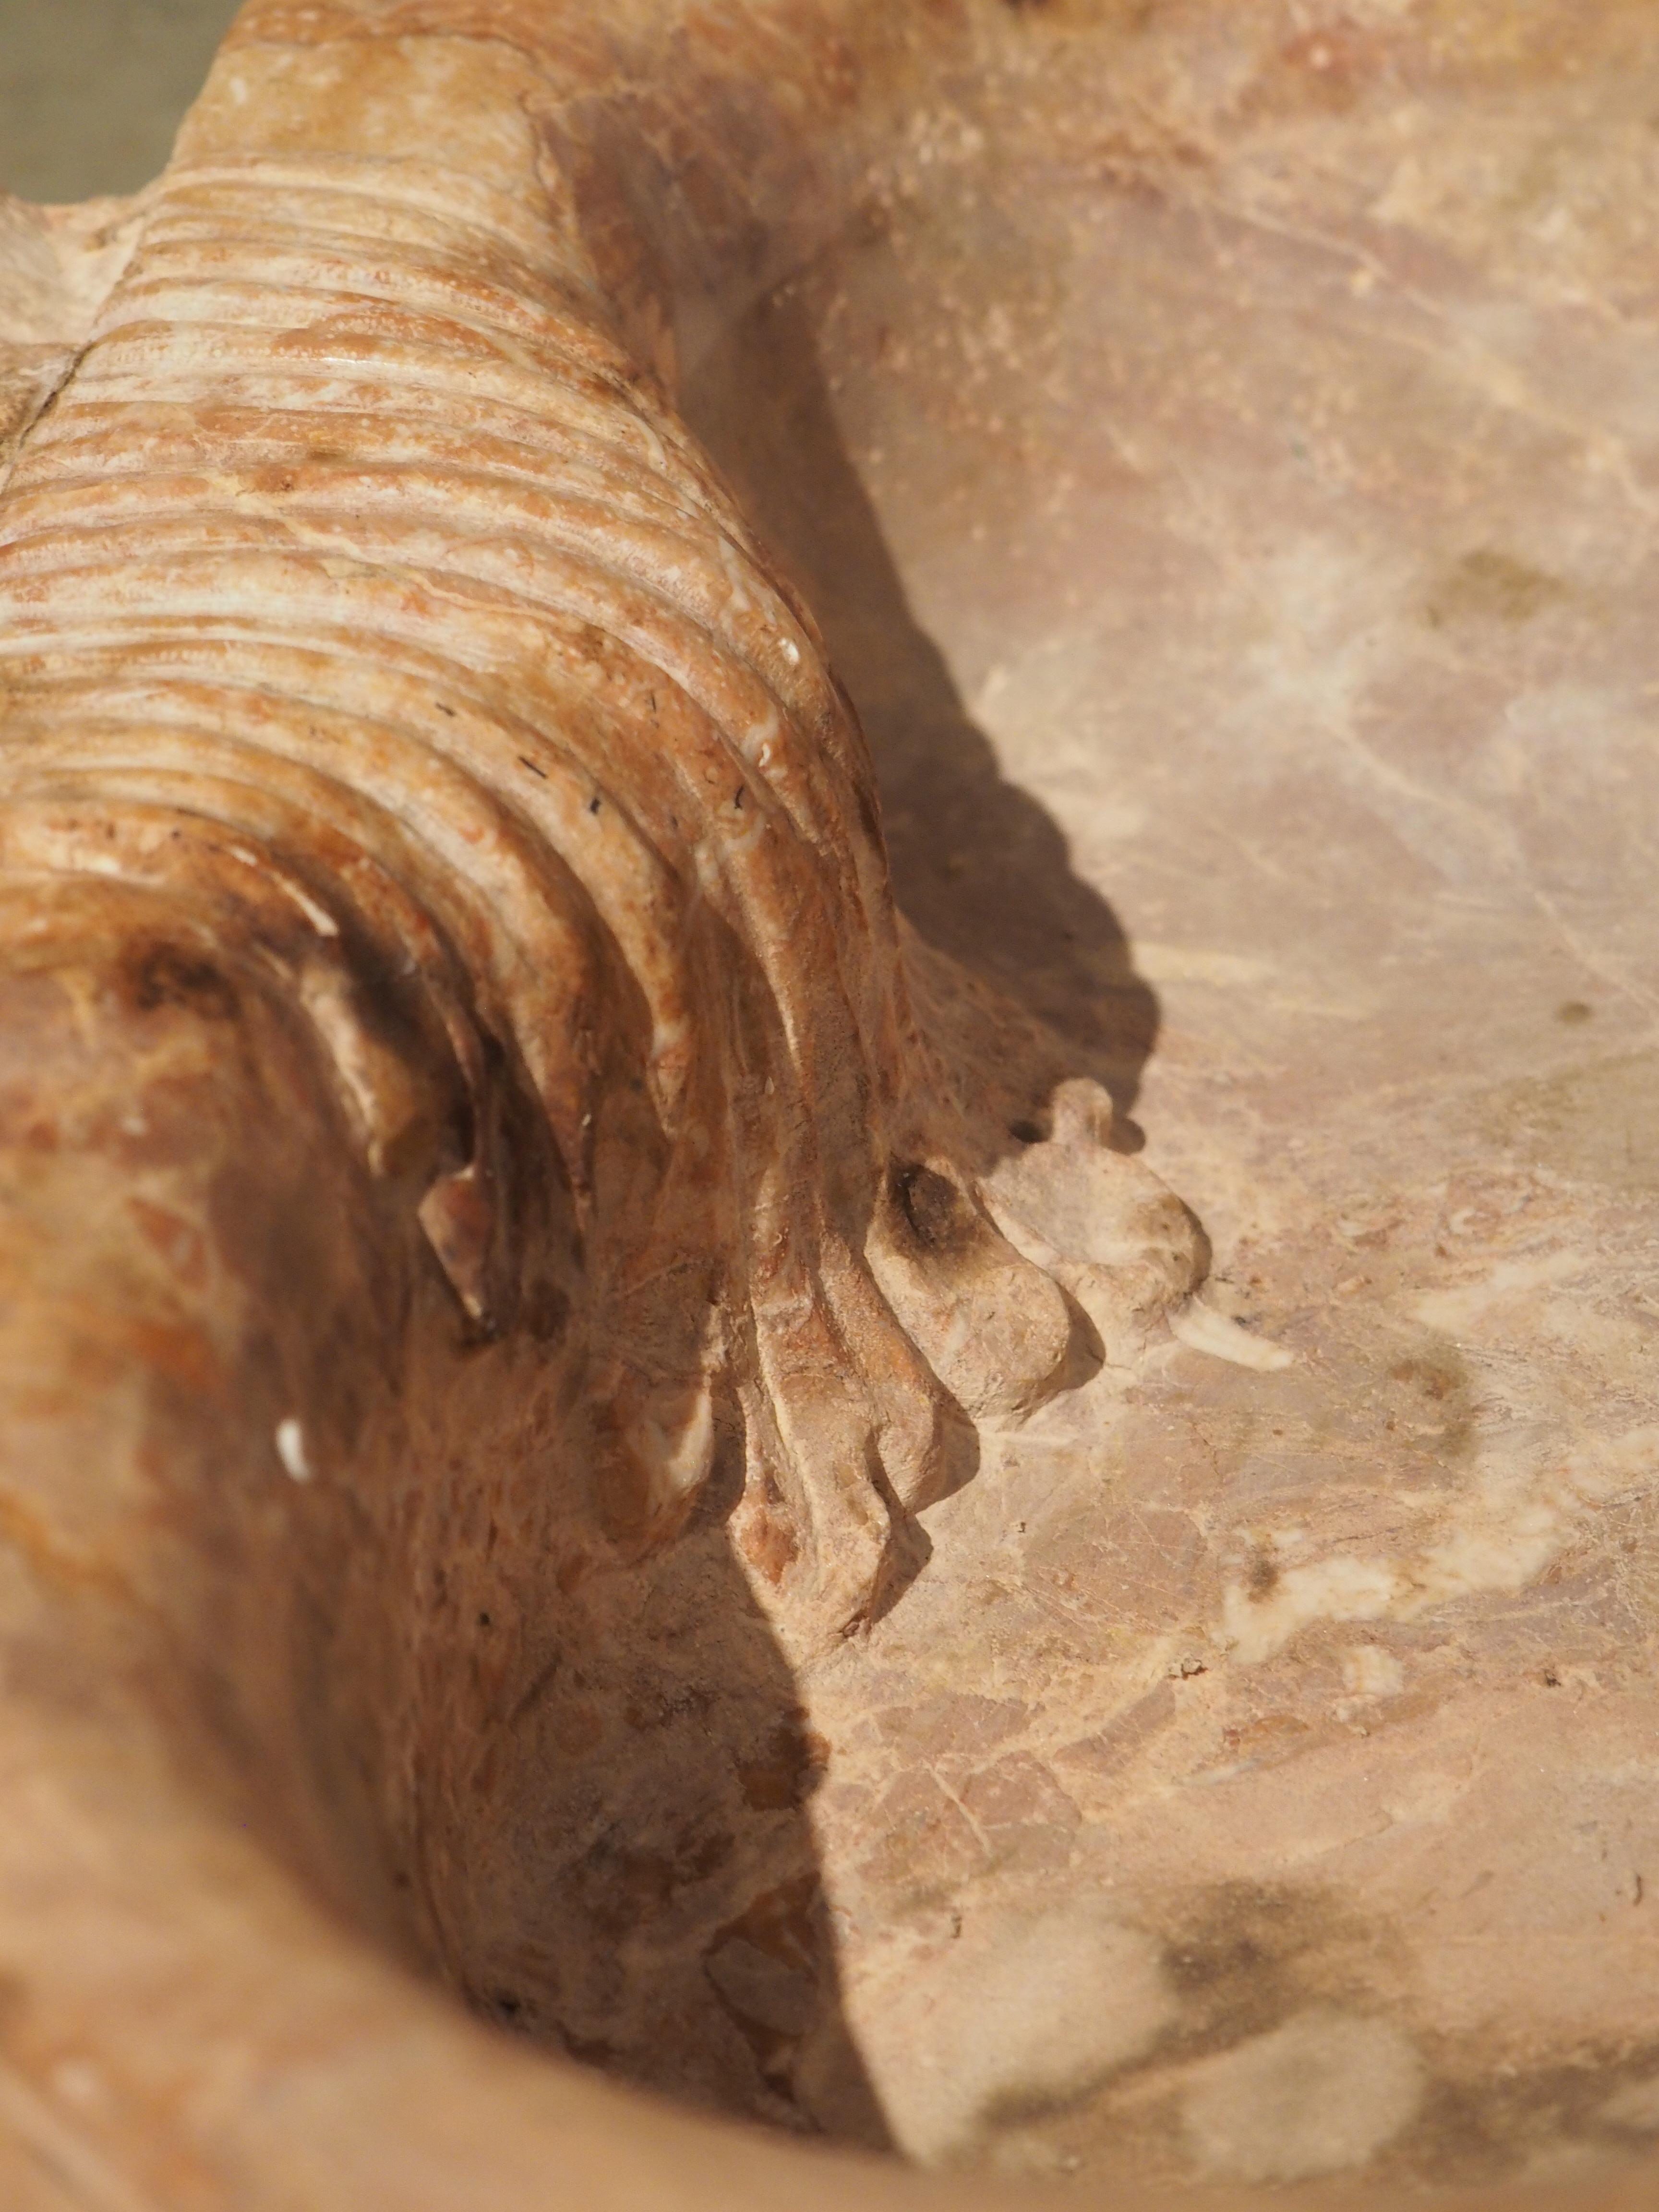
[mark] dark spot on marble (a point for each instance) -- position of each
(1492, 587)
(167, 976)
(938, 1215)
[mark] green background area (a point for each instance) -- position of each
(92, 91)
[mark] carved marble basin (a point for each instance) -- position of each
(1220, 445)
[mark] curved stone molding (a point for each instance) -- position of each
(504, 1227)
(373, 628)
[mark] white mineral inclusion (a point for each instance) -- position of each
(291, 1449)
(1201, 1328)
(1325, 2092)
(1518, 1514)
(1368, 1671)
(1020, 2010)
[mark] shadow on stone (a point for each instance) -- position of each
(646, 1894)
(978, 865)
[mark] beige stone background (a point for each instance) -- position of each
(91, 91)
(1227, 465)
(1226, 460)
